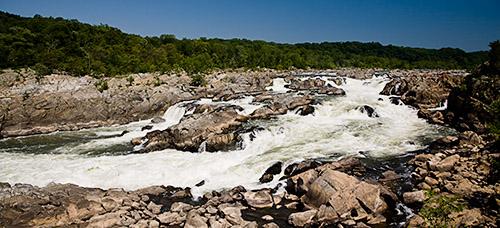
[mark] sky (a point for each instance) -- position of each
(468, 25)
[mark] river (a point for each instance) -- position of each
(102, 157)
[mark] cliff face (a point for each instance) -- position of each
(474, 105)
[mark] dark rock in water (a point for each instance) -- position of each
(266, 178)
(157, 120)
(295, 168)
(368, 110)
(306, 110)
(380, 99)
(268, 175)
(275, 168)
(147, 127)
(395, 100)
(124, 132)
(201, 183)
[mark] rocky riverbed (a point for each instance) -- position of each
(348, 192)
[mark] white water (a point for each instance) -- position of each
(335, 130)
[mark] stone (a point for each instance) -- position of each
(157, 120)
(370, 111)
(181, 194)
(448, 163)
(106, 220)
(292, 205)
(180, 207)
(470, 138)
(171, 218)
(390, 176)
(141, 224)
(348, 163)
(271, 171)
(414, 197)
(431, 181)
(232, 214)
(152, 190)
(194, 220)
(259, 199)
(156, 209)
(136, 141)
(345, 193)
(109, 204)
(302, 218)
(326, 215)
(267, 218)
(153, 224)
(377, 220)
(300, 183)
(270, 225)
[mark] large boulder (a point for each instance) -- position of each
(345, 194)
(259, 199)
(210, 127)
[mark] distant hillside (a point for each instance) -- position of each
(48, 44)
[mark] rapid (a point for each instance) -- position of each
(103, 157)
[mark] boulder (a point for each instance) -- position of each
(414, 197)
(345, 193)
(302, 219)
(194, 220)
(259, 199)
(370, 111)
(299, 184)
(271, 171)
(193, 130)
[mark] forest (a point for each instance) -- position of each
(48, 44)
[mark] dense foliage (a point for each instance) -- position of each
(48, 44)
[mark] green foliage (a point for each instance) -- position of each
(494, 126)
(437, 209)
(26, 95)
(41, 69)
(198, 80)
(83, 49)
(130, 80)
(494, 55)
(101, 85)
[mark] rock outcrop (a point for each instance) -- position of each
(422, 90)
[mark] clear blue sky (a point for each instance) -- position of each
(468, 25)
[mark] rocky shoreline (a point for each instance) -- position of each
(340, 194)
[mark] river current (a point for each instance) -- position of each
(102, 157)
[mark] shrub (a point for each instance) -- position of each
(437, 209)
(101, 85)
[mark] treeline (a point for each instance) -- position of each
(48, 44)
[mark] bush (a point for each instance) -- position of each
(198, 80)
(437, 209)
(101, 85)
(41, 69)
